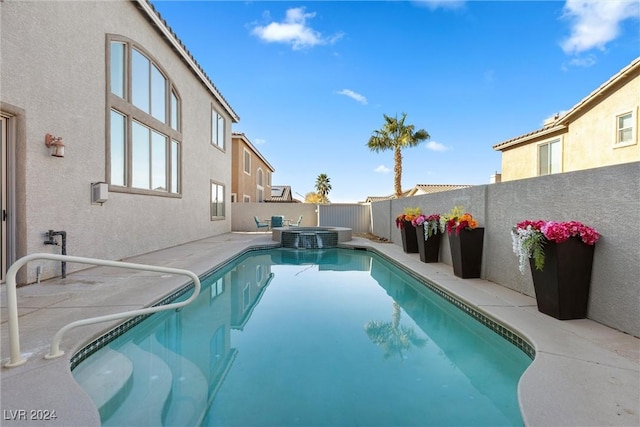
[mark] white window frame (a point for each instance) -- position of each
(246, 199)
(234, 197)
(217, 202)
(549, 142)
(218, 131)
(634, 126)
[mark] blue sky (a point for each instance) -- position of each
(312, 80)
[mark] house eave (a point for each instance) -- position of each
(179, 47)
(530, 137)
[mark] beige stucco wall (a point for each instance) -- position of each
(247, 184)
(53, 57)
(588, 141)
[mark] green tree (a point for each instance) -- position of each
(395, 135)
(312, 197)
(323, 186)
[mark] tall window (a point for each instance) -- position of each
(260, 186)
(624, 128)
(144, 139)
(550, 157)
(247, 162)
(217, 129)
(217, 200)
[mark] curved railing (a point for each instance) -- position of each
(12, 301)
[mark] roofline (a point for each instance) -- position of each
(175, 42)
(560, 124)
(615, 79)
(529, 136)
(242, 136)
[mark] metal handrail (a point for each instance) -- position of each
(12, 301)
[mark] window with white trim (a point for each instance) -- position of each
(625, 129)
(144, 138)
(246, 199)
(217, 129)
(247, 162)
(217, 200)
(550, 157)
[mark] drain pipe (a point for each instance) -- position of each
(51, 241)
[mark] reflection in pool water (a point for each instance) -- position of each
(285, 337)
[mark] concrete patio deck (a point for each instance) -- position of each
(584, 373)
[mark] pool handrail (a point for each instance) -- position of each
(55, 352)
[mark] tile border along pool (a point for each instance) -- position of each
(583, 373)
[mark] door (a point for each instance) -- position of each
(3, 199)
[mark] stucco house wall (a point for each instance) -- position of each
(587, 131)
(54, 70)
(244, 184)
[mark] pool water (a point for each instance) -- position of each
(332, 337)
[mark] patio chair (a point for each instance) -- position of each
(260, 224)
(277, 221)
(297, 223)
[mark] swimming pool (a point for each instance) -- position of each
(309, 337)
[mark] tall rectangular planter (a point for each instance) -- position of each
(466, 252)
(562, 287)
(409, 241)
(429, 249)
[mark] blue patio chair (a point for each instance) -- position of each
(277, 221)
(297, 223)
(260, 224)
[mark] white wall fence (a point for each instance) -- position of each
(355, 216)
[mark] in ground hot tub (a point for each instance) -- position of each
(310, 237)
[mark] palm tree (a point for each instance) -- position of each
(393, 337)
(323, 186)
(395, 135)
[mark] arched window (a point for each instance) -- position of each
(144, 138)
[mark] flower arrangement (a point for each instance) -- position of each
(457, 220)
(431, 224)
(529, 237)
(409, 215)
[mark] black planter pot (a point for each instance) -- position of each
(429, 249)
(466, 252)
(409, 241)
(562, 287)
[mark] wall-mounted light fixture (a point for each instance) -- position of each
(55, 143)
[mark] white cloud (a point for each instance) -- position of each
(436, 146)
(259, 141)
(294, 31)
(353, 95)
(444, 4)
(594, 23)
(382, 169)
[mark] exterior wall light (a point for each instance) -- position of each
(55, 143)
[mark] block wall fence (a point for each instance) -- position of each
(606, 198)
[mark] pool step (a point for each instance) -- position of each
(189, 389)
(151, 385)
(107, 377)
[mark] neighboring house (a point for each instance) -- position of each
(600, 130)
(133, 109)
(433, 188)
(281, 194)
(250, 171)
(418, 190)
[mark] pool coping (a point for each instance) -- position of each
(583, 373)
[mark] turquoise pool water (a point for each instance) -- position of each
(331, 337)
